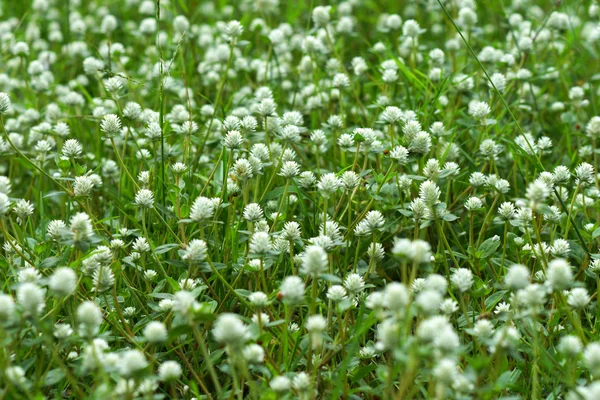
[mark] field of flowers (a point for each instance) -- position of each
(271, 199)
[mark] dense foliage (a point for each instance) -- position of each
(286, 199)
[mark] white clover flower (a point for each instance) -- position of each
(436, 282)
(570, 346)
(144, 198)
(179, 168)
(155, 332)
(111, 125)
(479, 109)
(266, 107)
(349, 180)
(72, 148)
(260, 244)
(320, 15)
(507, 211)
(314, 260)
(420, 143)
(560, 248)
(428, 301)
(591, 358)
(189, 127)
(473, 204)
(517, 277)
(83, 185)
(141, 245)
(253, 212)
(316, 324)
(292, 290)
(233, 140)
(328, 185)
(448, 306)
(307, 179)
(429, 192)
(499, 81)
(63, 281)
(445, 371)
(336, 293)
(354, 284)
(254, 353)
(578, 298)
(532, 296)
(62, 331)
(195, 251)
(5, 185)
(376, 252)
(260, 319)
(29, 274)
(559, 275)
(421, 252)
(391, 115)
(431, 327)
(537, 192)
(483, 329)
(89, 317)
(229, 329)
(113, 84)
(502, 307)
(153, 131)
(291, 231)
(16, 375)
(132, 110)
(131, 362)
(23, 208)
(340, 80)
(31, 297)
(411, 28)
(233, 30)
(7, 308)
(505, 338)
(5, 204)
(5, 104)
(301, 382)
(258, 299)
(169, 371)
(477, 179)
(462, 279)
(280, 384)
(399, 154)
(242, 169)
(202, 209)
(289, 169)
(81, 227)
(584, 174)
(593, 127)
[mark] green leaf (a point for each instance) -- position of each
(53, 377)
(362, 372)
(331, 278)
(449, 217)
(494, 299)
(49, 262)
(275, 323)
(506, 379)
(488, 247)
(63, 164)
(165, 247)
(204, 312)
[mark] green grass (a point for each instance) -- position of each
(426, 282)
